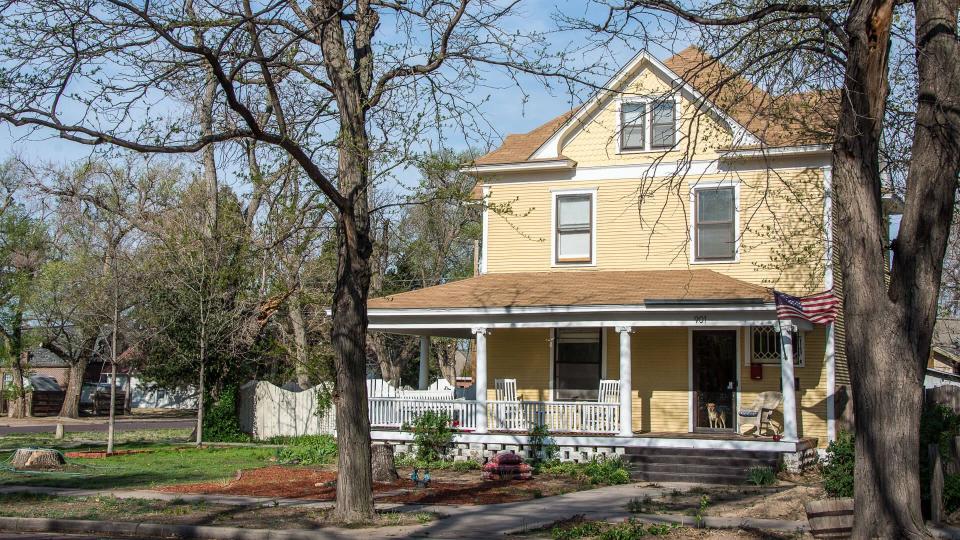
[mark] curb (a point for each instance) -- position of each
(139, 530)
(708, 522)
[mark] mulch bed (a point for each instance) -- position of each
(320, 484)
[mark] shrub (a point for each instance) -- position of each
(309, 450)
(432, 434)
(542, 446)
(838, 468)
(951, 492)
(761, 475)
(608, 471)
(600, 470)
(220, 422)
(938, 425)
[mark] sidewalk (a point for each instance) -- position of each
(466, 522)
(48, 424)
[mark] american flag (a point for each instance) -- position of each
(820, 308)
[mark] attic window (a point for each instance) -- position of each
(648, 124)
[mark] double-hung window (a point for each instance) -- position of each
(633, 125)
(663, 130)
(574, 228)
(577, 363)
(715, 224)
(648, 124)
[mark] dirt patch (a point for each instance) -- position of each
(784, 501)
(103, 454)
(447, 487)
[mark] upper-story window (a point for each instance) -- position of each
(574, 227)
(715, 235)
(648, 124)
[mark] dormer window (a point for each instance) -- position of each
(573, 227)
(648, 124)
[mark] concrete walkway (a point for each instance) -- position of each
(467, 522)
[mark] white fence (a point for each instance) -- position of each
(267, 411)
(558, 416)
(395, 412)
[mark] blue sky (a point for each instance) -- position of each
(505, 109)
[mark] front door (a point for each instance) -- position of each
(714, 357)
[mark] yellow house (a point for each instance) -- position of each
(630, 249)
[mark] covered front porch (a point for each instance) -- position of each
(630, 366)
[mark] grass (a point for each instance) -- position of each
(163, 465)
(194, 513)
(74, 439)
(578, 527)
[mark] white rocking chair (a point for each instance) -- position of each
(510, 415)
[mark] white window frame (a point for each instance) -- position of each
(693, 221)
(647, 123)
(552, 343)
(592, 192)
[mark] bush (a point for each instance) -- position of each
(951, 492)
(604, 471)
(838, 468)
(542, 446)
(432, 433)
(938, 425)
(761, 475)
(220, 422)
(308, 449)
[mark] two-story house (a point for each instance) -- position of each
(630, 249)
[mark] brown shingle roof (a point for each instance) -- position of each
(519, 147)
(787, 120)
(576, 288)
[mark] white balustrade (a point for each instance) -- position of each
(558, 416)
(395, 412)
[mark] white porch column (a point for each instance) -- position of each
(788, 382)
(480, 379)
(424, 362)
(626, 383)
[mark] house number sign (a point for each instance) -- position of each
(700, 319)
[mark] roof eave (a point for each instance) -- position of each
(519, 166)
(776, 151)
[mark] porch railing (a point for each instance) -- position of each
(394, 412)
(558, 416)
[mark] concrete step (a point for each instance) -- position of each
(700, 452)
(732, 470)
(714, 461)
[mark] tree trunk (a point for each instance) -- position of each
(301, 347)
(348, 336)
(384, 468)
(18, 406)
(201, 392)
(71, 398)
(888, 341)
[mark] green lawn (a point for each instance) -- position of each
(80, 438)
(163, 465)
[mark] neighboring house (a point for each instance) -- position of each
(944, 364)
(636, 239)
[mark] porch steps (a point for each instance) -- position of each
(705, 466)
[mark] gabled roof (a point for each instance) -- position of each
(608, 288)
(771, 121)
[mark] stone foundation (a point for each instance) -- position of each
(803, 459)
(483, 452)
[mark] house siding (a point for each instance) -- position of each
(785, 251)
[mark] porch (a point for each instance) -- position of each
(659, 338)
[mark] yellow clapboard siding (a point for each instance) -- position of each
(780, 242)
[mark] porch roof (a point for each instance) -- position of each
(579, 288)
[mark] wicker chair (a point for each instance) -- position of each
(760, 412)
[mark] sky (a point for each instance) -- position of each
(502, 104)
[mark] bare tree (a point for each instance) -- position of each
(342, 88)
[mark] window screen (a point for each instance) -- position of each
(633, 129)
(574, 219)
(715, 236)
